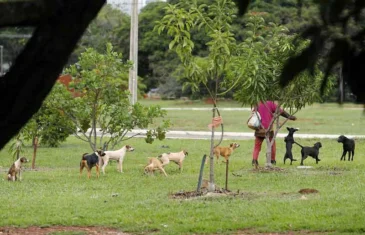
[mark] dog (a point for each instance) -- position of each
(117, 155)
(15, 168)
(225, 151)
(91, 160)
(310, 151)
(154, 164)
(289, 141)
(348, 146)
(177, 158)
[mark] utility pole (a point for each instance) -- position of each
(133, 52)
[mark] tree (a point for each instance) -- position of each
(215, 21)
(100, 83)
(340, 26)
(257, 77)
(48, 125)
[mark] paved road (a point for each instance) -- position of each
(234, 135)
(230, 135)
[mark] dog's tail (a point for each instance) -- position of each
(298, 144)
(83, 156)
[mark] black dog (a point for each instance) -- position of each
(348, 146)
(91, 160)
(289, 140)
(310, 151)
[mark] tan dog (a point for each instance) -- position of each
(154, 164)
(225, 151)
(16, 168)
(178, 158)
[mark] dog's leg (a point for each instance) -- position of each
(105, 163)
(97, 171)
(81, 168)
(163, 171)
(303, 158)
(343, 157)
(353, 153)
(88, 172)
(180, 166)
(120, 165)
(349, 155)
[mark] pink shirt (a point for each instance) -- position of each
(267, 111)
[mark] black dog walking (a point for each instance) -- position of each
(289, 140)
(348, 146)
(310, 151)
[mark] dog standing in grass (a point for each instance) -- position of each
(289, 141)
(348, 146)
(117, 155)
(91, 160)
(177, 157)
(310, 151)
(16, 168)
(154, 164)
(225, 151)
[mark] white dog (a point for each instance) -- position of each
(178, 158)
(117, 155)
(16, 168)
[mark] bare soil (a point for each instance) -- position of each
(77, 230)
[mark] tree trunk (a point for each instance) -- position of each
(268, 151)
(35, 145)
(211, 186)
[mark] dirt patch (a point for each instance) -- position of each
(303, 232)
(61, 230)
(267, 169)
(308, 191)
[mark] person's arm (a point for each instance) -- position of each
(288, 116)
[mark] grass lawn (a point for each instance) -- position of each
(139, 204)
(347, 119)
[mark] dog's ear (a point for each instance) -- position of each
(231, 145)
(288, 128)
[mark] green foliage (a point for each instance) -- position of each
(50, 125)
(257, 76)
(101, 107)
(16, 147)
(215, 21)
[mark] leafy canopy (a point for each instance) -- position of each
(99, 104)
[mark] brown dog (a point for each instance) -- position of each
(154, 164)
(91, 160)
(15, 168)
(225, 151)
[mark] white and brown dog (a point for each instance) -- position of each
(178, 158)
(16, 168)
(117, 155)
(154, 164)
(225, 151)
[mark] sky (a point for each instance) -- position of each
(125, 5)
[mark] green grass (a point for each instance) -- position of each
(315, 119)
(135, 203)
